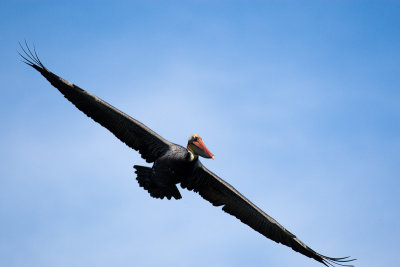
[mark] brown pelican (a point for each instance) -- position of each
(174, 164)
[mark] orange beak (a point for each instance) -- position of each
(199, 148)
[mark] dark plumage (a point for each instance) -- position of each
(174, 164)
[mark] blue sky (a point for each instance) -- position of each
(298, 100)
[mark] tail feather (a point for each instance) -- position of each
(156, 191)
(143, 176)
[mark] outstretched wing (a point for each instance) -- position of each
(220, 193)
(130, 131)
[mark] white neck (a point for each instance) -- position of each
(192, 156)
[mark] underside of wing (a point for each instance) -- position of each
(220, 193)
(130, 131)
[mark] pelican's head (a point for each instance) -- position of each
(197, 147)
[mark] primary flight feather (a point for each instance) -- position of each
(174, 164)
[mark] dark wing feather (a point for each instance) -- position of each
(220, 193)
(130, 131)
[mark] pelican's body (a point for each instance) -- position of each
(168, 170)
(174, 164)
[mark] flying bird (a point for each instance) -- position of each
(174, 164)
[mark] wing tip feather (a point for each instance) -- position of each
(30, 58)
(342, 261)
